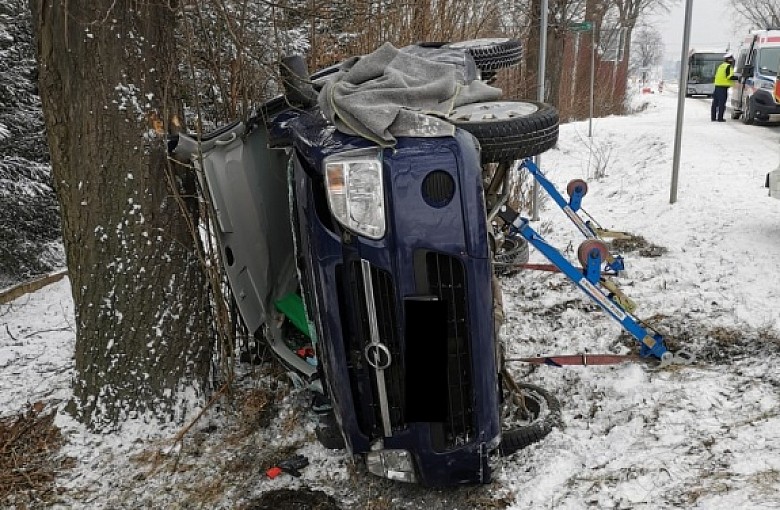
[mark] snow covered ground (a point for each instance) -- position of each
(703, 436)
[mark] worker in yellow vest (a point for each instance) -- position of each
(724, 77)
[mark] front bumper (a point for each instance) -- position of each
(404, 323)
(764, 107)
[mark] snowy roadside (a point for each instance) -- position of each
(706, 436)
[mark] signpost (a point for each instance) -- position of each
(581, 26)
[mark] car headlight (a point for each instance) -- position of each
(356, 195)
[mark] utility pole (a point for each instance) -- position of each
(681, 100)
(542, 72)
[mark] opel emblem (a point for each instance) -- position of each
(378, 356)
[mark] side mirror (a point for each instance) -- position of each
(747, 71)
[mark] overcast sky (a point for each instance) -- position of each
(712, 27)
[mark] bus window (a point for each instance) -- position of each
(701, 72)
(703, 66)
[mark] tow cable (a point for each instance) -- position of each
(562, 360)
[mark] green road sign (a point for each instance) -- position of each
(582, 26)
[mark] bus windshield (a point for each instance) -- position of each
(702, 67)
(767, 59)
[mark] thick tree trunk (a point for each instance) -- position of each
(107, 83)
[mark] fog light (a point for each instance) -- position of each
(392, 464)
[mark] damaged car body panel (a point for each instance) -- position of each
(404, 322)
(387, 255)
(404, 318)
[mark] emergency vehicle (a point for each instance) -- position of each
(756, 95)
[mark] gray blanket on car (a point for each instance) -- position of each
(391, 93)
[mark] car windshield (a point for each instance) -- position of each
(767, 60)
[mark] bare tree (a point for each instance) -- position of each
(647, 49)
(629, 12)
(109, 88)
(759, 13)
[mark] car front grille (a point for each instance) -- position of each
(358, 337)
(446, 280)
(436, 371)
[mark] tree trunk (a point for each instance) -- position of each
(621, 78)
(556, 47)
(107, 83)
(531, 74)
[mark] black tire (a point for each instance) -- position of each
(548, 416)
(513, 252)
(328, 433)
(509, 130)
(748, 116)
(491, 54)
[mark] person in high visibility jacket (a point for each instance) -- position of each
(724, 77)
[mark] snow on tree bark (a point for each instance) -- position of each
(108, 82)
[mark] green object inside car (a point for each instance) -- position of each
(292, 307)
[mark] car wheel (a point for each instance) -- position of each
(748, 116)
(329, 434)
(490, 55)
(512, 253)
(530, 421)
(509, 130)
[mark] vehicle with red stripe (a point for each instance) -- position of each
(756, 96)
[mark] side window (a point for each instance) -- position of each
(741, 61)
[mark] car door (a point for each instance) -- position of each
(245, 183)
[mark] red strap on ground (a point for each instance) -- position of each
(580, 359)
(273, 472)
(540, 267)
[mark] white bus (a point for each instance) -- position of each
(701, 72)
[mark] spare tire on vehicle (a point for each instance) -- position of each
(509, 130)
(491, 54)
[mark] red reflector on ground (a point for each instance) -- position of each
(273, 472)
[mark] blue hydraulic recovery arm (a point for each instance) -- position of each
(589, 280)
(576, 190)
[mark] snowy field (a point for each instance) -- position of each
(703, 436)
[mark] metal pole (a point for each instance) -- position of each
(541, 73)
(592, 75)
(681, 100)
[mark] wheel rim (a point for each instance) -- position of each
(481, 112)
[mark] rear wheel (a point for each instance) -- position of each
(508, 258)
(509, 130)
(528, 414)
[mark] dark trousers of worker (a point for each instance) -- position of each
(719, 103)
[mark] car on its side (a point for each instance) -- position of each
(382, 259)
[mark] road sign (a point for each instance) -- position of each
(582, 26)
